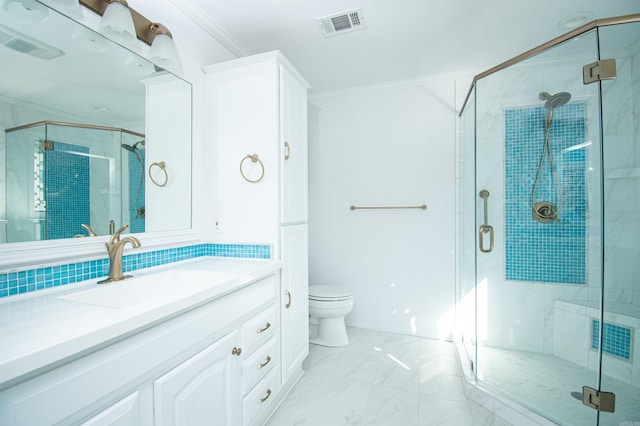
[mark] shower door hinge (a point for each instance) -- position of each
(47, 145)
(601, 401)
(604, 69)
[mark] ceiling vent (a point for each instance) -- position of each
(341, 23)
(21, 43)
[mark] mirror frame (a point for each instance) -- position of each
(18, 256)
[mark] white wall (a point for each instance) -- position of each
(386, 146)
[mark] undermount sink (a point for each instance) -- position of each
(168, 285)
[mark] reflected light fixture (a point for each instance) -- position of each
(89, 40)
(138, 64)
(26, 10)
(163, 50)
(117, 23)
(67, 4)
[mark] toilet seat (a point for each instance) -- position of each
(329, 293)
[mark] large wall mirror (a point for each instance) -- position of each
(92, 135)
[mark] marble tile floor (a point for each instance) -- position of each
(548, 382)
(382, 379)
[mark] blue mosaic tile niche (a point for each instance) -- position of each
(37, 279)
(616, 340)
(67, 181)
(552, 252)
(136, 191)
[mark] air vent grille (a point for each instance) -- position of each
(24, 44)
(341, 23)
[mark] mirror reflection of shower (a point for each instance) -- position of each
(547, 211)
(138, 154)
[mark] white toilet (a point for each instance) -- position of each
(328, 305)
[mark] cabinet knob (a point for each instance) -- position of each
(286, 145)
(236, 351)
(288, 305)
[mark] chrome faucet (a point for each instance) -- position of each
(115, 246)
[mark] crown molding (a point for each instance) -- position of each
(195, 12)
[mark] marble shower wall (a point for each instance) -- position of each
(621, 151)
(519, 314)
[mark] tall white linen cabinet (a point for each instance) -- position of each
(255, 137)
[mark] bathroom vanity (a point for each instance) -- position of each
(195, 342)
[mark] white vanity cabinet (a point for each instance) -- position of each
(293, 161)
(256, 108)
(294, 306)
(202, 390)
(189, 369)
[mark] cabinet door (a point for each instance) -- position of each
(202, 390)
(295, 299)
(293, 149)
(125, 412)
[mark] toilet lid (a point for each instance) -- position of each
(329, 292)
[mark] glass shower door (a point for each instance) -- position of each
(538, 240)
(619, 339)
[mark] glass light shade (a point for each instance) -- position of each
(26, 10)
(117, 24)
(163, 51)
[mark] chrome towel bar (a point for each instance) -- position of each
(422, 207)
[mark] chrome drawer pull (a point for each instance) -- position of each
(264, 364)
(236, 351)
(265, 328)
(264, 398)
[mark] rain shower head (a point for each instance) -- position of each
(129, 147)
(554, 101)
(134, 150)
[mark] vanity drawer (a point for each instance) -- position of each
(258, 329)
(259, 401)
(258, 364)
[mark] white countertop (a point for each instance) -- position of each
(40, 329)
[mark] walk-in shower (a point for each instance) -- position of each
(548, 320)
(66, 180)
(546, 211)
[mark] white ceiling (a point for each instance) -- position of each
(404, 39)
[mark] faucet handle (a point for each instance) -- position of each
(89, 230)
(116, 236)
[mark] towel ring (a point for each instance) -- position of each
(254, 159)
(162, 165)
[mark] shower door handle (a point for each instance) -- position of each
(485, 228)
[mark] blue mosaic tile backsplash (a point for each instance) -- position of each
(616, 340)
(552, 252)
(37, 279)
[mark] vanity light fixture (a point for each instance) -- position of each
(26, 10)
(117, 23)
(163, 50)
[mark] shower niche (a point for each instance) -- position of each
(67, 180)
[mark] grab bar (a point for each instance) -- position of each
(423, 207)
(485, 227)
